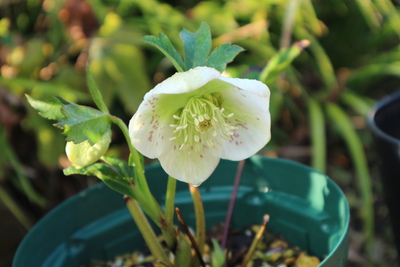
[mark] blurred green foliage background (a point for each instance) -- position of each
(344, 56)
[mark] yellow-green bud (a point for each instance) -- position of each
(84, 154)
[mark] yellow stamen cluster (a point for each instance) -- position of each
(201, 124)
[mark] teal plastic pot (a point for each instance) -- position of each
(305, 206)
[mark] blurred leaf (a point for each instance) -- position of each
(370, 74)
(369, 13)
(82, 123)
(4, 25)
(276, 103)
(357, 102)
(7, 200)
(217, 255)
(3, 156)
(163, 43)
(250, 32)
(39, 89)
(219, 17)
(99, 8)
(112, 23)
(281, 61)
(291, 11)
(29, 57)
(222, 55)
(197, 46)
(119, 71)
(389, 11)
(322, 60)
(50, 143)
(134, 82)
(22, 181)
(310, 16)
(317, 132)
(345, 128)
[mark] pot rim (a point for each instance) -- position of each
(372, 115)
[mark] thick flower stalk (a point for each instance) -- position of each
(193, 119)
(84, 154)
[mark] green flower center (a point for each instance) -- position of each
(201, 124)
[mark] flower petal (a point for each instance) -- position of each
(252, 120)
(184, 82)
(149, 128)
(193, 168)
(249, 85)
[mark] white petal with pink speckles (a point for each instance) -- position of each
(193, 168)
(251, 120)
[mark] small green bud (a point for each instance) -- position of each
(84, 153)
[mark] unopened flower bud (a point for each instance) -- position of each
(84, 153)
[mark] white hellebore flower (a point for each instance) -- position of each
(83, 154)
(194, 118)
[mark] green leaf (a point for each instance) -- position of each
(281, 61)
(94, 91)
(49, 109)
(163, 43)
(120, 166)
(82, 123)
(222, 55)
(217, 255)
(113, 173)
(197, 46)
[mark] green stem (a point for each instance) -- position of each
(170, 201)
(135, 157)
(147, 232)
(200, 219)
(153, 209)
(169, 232)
